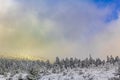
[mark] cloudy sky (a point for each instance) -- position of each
(66, 28)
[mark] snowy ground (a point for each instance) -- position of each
(82, 74)
(75, 74)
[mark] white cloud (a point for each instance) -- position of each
(107, 42)
(6, 5)
(64, 30)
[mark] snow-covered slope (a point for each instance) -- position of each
(82, 74)
(74, 74)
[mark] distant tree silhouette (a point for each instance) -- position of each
(108, 59)
(14, 66)
(116, 59)
(98, 62)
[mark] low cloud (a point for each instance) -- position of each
(107, 42)
(63, 29)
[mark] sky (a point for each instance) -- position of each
(45, 29)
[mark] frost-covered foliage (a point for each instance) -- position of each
(64, 69)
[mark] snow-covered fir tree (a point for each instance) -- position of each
(24, 69)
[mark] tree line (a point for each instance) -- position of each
(37, 67)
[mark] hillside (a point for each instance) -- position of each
(65, 69)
